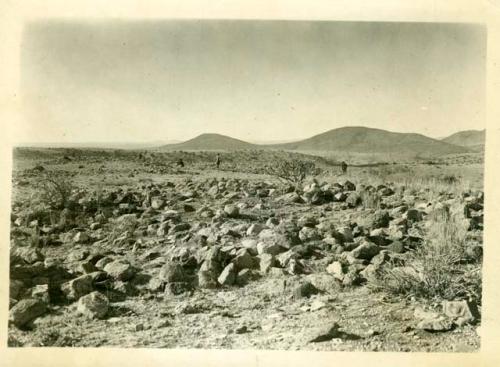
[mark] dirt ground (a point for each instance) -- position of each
(264, 313)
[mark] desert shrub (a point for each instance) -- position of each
(441, 268)
(450, 179)
(370, 199)
(292, 171)
(54, 189)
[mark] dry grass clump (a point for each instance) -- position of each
(441, 268)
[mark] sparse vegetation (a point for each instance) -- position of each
(292, 171)
(370, 199)
(144, 214)
(441, 268)
(54, 189)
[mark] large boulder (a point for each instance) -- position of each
(27, 310)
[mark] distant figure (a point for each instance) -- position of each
(217, 161)
(180, 162)
(344, 167)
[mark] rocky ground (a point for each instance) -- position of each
(147, 254)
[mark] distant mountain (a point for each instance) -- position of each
(470, 138)
(212, 142)
(369, 140)
(100, 145)
(345, 139)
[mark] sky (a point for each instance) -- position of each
(140, 81)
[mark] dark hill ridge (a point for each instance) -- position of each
(346, 139)
(369, 140)
(467, 138)
(212, 142)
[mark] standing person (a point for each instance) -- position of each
(344, 167)
(217, 161)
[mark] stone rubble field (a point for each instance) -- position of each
(147, 254)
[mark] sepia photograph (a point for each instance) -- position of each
(249, 184)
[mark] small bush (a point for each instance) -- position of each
(370, 199)
(54, 189)
(292, 171)
(450, 179)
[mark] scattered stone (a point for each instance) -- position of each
(309, 234)
(78, 287)
(267, 261)
(241, 329)
(206, 279)
(245, 276)
(41, 291)
(232, 211)
(172, 272)
(435, 324)
(307, 221)
(413, 215)
(336, 269)
(462, 312)
(157, 203)
(228, 275)
(304, 290)
(188, 208)
(396, 247)
(255, 229)
(88, 267)
(27, 310)
(269, 248)
(120, 269)
(290, 198)
(94, 305)
(100, 264)
(244, 261)
(15, 288)
(81, 237)
(26, 255)
(317, 305)
(366, 250)
(351, 278)
(353, 199)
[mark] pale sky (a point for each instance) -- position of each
(124, 81)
